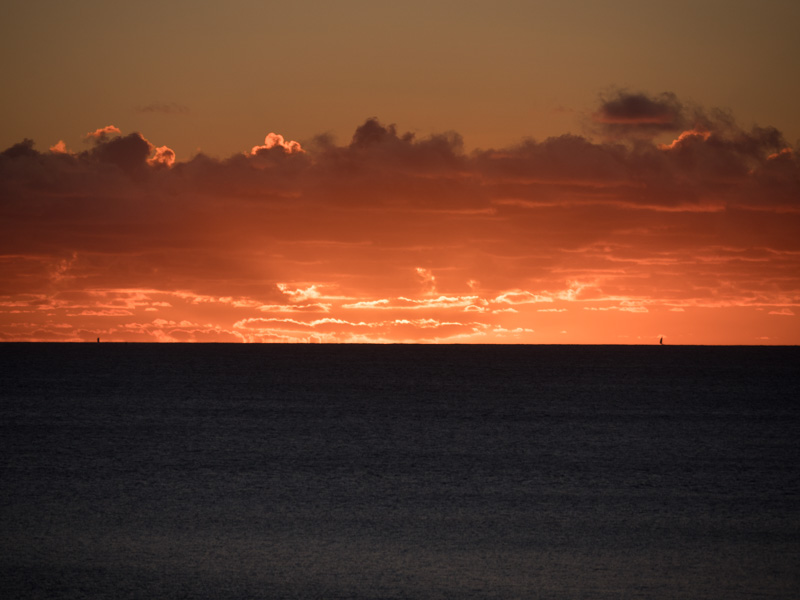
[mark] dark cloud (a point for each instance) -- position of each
(372, 133)
(130, 152)
(379, 148)
(627, 108)
(626, 113)
(726, 154)
(386, 189)
(716, 160)
(20, 150)
(164, 108)
(567, 159)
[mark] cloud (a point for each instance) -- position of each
(686, 138)
(129, 152)
(521, 297)
(59, 148)
(23, 149)
(629, 111)
(389, 225)
(277, 142)
(113, 312)
(102, 133)
(378, 149)
(163, 157)
(428, 279)
(300, 295)
(342, 330)
(403, 303)
(567, 160)
(165, 108)
(372, 133)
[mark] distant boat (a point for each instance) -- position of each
(661, 341)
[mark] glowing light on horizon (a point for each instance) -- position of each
(391, 238)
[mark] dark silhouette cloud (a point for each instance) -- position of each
(626, 108)
(20, 150)
(130, 152)
(371, 133)
(625, 113)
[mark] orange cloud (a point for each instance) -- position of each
(59, 147)
(685, 138)
(163, 157)
(521, 297)
(275, 140)
(102, 133)
(393, 238)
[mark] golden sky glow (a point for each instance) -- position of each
(216, 184)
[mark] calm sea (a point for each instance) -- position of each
(303, 471)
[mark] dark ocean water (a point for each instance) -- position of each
(261, 471)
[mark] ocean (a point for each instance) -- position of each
(399, 472)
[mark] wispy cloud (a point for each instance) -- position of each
(164, 108)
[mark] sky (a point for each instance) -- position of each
(423, 172)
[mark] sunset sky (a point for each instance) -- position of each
(441, 172)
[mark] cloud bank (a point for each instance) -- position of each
(388, 237)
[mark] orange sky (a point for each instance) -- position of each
(588, 212)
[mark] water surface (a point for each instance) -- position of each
(243, 471)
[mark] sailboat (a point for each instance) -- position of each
(661, 341)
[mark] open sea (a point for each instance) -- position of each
(392, 472)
